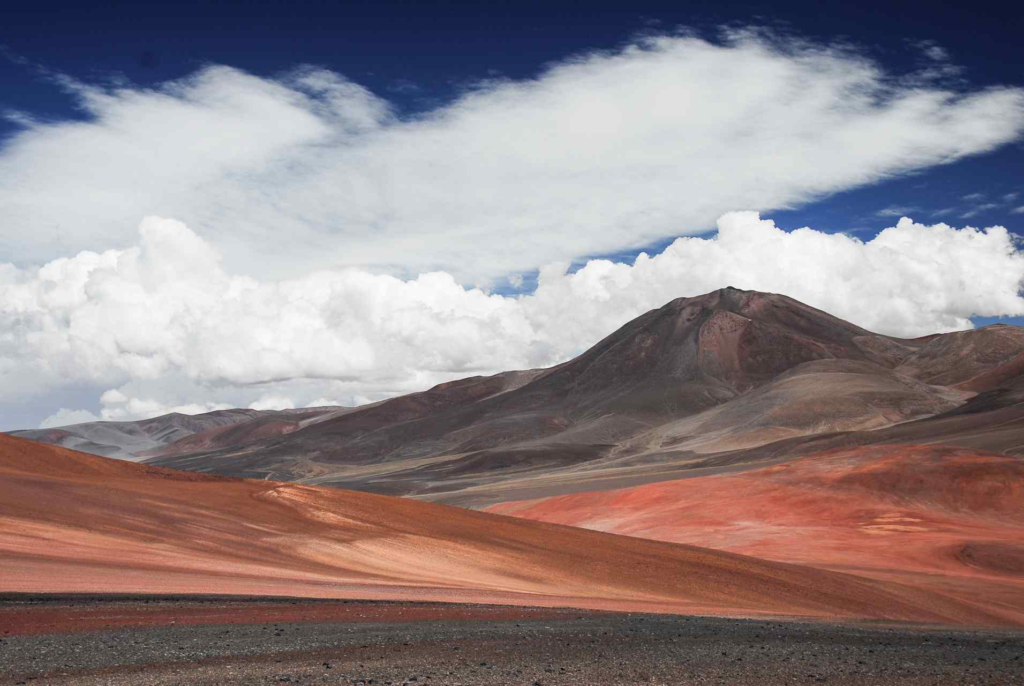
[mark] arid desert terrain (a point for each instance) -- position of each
(733, 475)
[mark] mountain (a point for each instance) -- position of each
(134, 440)
(791, 448)
(77, 523)
(811, 398)
(950, 518)
(973, 360)
(692, 384)
(726, 380)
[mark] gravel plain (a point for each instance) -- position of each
(568, 647)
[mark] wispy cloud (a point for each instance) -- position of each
(934, 51)
(599, 154)
(974, 197)
(897, 211)
(404, 86)
(980, 209)
(936, 64)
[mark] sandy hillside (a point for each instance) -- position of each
(78, 523)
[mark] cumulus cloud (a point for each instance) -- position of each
(119, 407)
(64, 417)
(599, 153)
(116, 406)
(273, 402)
(165, 326)
(330, 402)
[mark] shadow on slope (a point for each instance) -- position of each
(128, 528)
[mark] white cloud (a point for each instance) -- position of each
(935, 65)
(117, 406)
(328, 402)
(600, 153)
(897, 211)
(974, 197)
(64, 417)
(1017, 210)
(978, 209)
(113, 397)
(165, 327)
(272, 402)
(936, 52)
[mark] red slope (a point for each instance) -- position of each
(70, 522)
(952, 518)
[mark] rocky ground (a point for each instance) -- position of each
(375, 644)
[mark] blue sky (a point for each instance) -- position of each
(386, 184)
(435, 45)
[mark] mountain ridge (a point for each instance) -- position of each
(715, 379)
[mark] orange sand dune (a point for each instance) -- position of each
(945, 518)
(71, 522)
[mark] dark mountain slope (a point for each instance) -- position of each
(977, 360)
(689, 357)
(723, 380)
(132, 440)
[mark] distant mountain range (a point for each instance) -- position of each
(135, 441)
(756, 456)
(700, 385)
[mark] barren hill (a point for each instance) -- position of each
(134, 440)
(949, 518)
(697, 379)
(729, 379)
(123, 527)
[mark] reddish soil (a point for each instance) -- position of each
(75, 616)
(75, 523)
(951, 519)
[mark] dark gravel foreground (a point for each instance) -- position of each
(588, 649)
